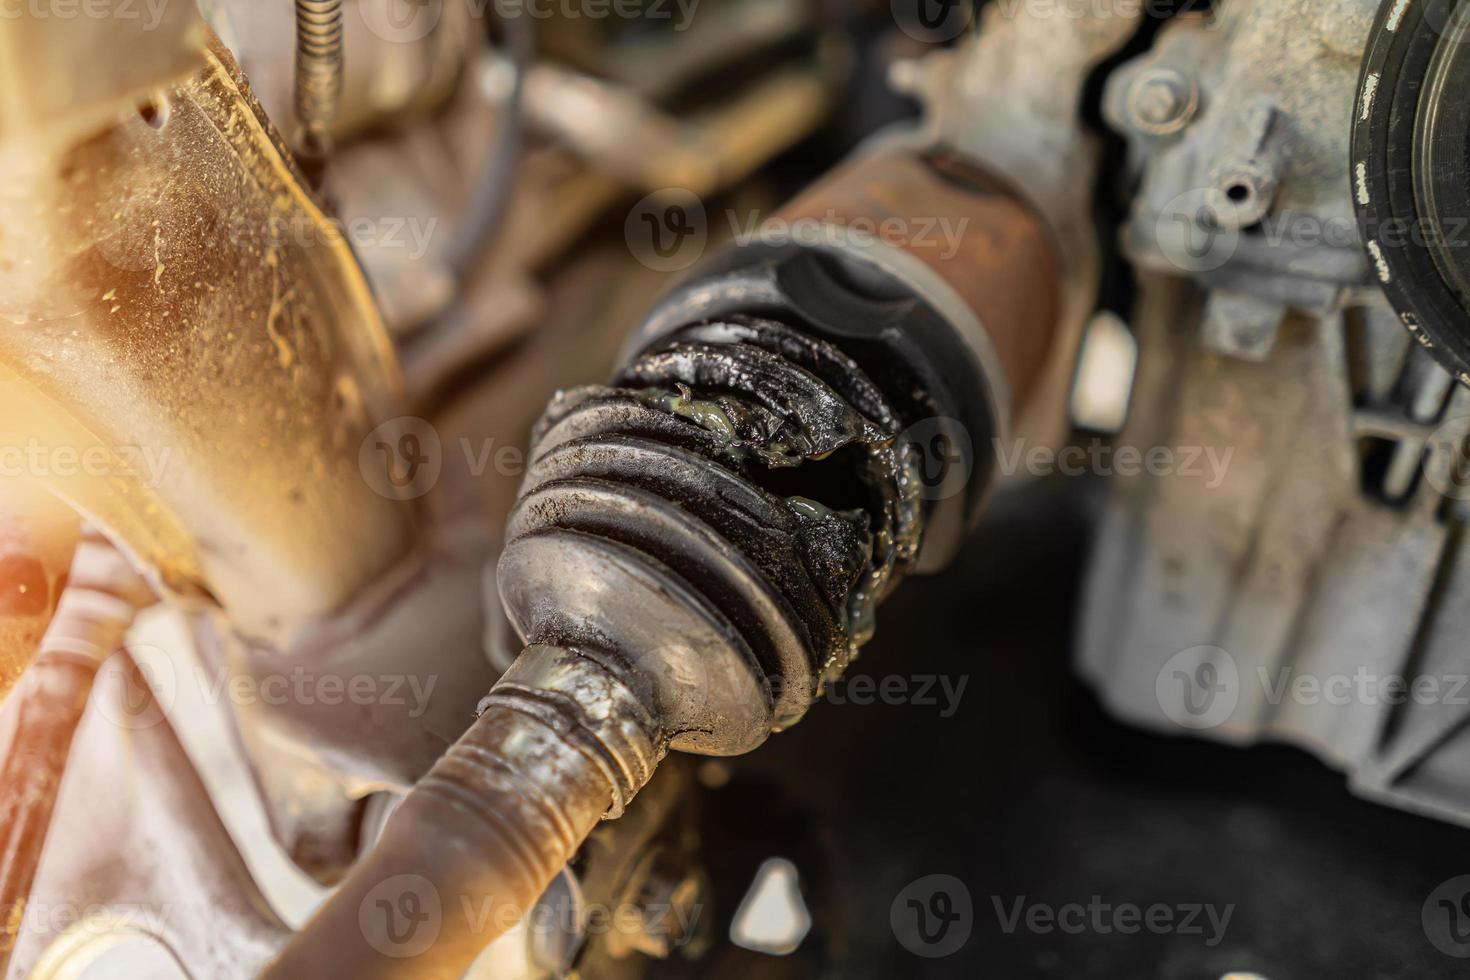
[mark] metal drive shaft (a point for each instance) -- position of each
(702, 543)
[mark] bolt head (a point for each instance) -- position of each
(1162, 101)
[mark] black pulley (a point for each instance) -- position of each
(1411, 169)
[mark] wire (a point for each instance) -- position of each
(491, 195)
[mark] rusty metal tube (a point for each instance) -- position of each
(103, 596)
(967, 226)
(561, 742)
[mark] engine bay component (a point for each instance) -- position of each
(701, 546)
(1411, 171)
(319, 71)
(121, 269)
(475, 603)
(1327, 552)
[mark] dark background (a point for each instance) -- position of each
(1031, 789)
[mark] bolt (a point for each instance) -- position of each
(1162, 101)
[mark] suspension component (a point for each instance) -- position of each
(176, 226)
(701, 544)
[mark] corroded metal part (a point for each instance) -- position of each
(49, 108)
(389, 76)
(747, 465)
(594, 702)
(953, 328)
(1268, 149)
(180, 313)
(38, 536)
(102, 596)
(611, 898)
(1009, 101)
(319, 70)
(702, 682)
(559, 744)
(1002, 263)
(698, 546)
(692, 550)
(707, 467)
